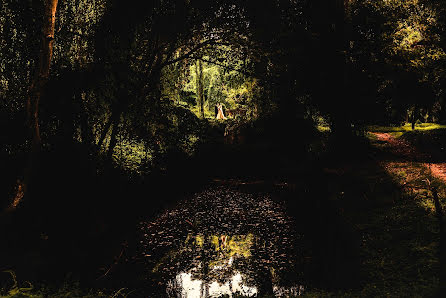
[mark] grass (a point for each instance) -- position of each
(399, 234)
(398, 131)
(395, 131)
(390, 203)
(401, 238)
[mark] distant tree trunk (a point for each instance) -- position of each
(428, 115)
(414, 117)
(199, 83)
(104, 133)
(114, 134)
(86, 130)
(36, 90)
(120, 106)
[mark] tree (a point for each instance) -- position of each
(42, 73)
(396, 45)
(199, 84)
(36, 89)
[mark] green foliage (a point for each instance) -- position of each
(150, 135)
(399, 45)
(224, 81)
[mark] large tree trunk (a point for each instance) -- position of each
(35, 93)
(42, 73)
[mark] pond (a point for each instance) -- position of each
(223, 242)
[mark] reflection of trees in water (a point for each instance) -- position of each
(219, 233)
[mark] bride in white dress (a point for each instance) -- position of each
(220, 114)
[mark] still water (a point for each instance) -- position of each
(223, 242)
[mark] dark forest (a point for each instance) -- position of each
(222, 148)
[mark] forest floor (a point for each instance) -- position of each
(385, 197)
(411, 154)
(389, 200)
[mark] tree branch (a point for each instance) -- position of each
(189, 54)
(225, 66)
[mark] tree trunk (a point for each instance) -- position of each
(199, 83)
(35, 93)
(104, 133)
(86, 131)
(113, 138)
(414, 118)
(42, 73)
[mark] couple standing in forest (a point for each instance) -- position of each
(219, 111)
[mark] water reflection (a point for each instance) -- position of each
(185, 286)
(223, 242)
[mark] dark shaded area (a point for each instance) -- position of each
(134, 161)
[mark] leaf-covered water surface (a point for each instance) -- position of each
(222, 242)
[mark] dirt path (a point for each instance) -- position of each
(405, 150)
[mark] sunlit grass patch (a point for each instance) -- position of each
(398, 131)
(396, 134)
